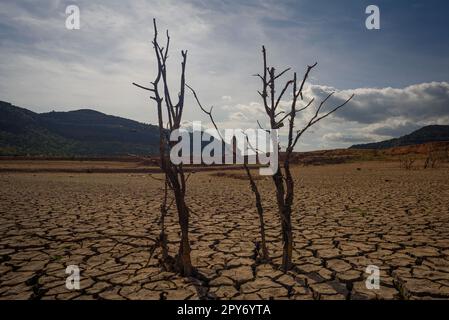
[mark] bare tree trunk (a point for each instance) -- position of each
(265, 255)
(284, 210)
(426, 163)
(183, 258)
(287, 239)
(290, 186)
(162, 236)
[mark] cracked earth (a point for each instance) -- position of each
(346, 217)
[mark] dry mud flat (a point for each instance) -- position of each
(346, 217)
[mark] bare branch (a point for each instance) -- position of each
(279, 113)
(298, 110)
(264, 93)
(258, 75)
(282, 93)
(183, 81)
(209, 113)
(198, 101)
(306, 106)
(333, 110)
(315, 119)
(280, 74)
(250, 145)
(260, 126)
(167, 46)
(155, 178)
(142, 87)
(306, 75)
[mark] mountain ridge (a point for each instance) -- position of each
(77, 133)
(430, 133)
(90, 133)
(83, 132)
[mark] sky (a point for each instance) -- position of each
(399, 73)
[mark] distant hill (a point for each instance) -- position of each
(432, 133)
(80, 133)
(74, 133)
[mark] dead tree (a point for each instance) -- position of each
(171, 113)
(264, 255)
(436, 153)
(407, 161)
(283, 179)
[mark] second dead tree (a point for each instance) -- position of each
(282, 179)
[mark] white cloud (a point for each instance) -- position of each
(374, 114)
(419, 102)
